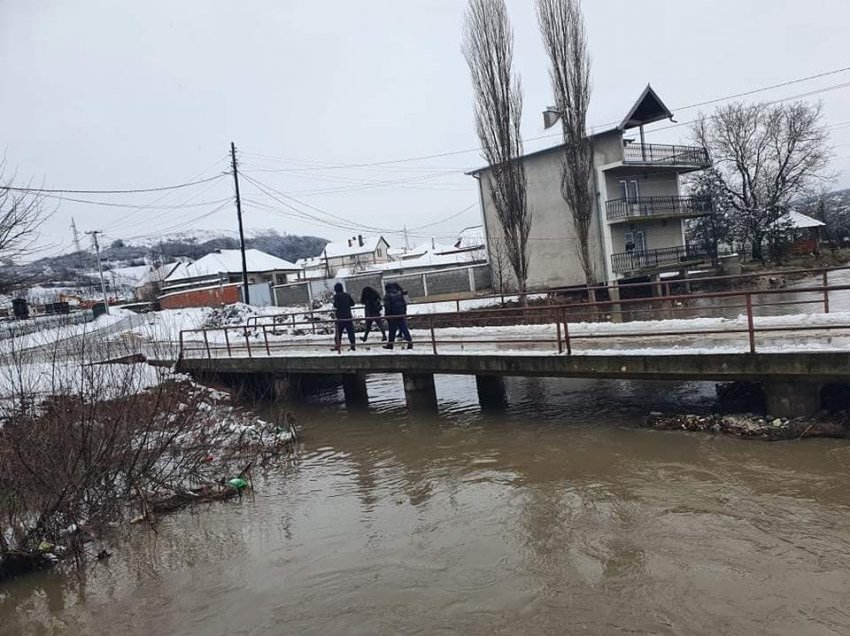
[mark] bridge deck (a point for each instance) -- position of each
(819, 366)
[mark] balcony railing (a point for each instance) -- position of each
(622, 209)
(661, 154)
(636, 261)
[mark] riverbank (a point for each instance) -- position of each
(122, 444)
(753, 426)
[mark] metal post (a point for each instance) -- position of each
(247, 341)
(567, 335)
(825, 292)
(266, 338)
(207, 344)
(227, 341)
(433, 338)
(750, 327)
(560, 344)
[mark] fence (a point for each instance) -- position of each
(262, 338)
(467, 279)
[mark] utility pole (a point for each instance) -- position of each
(93, 234)
(239, 216)
(406, 243)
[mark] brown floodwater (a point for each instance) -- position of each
(559, 516)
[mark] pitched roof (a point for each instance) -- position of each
(230, 262)
(647, 109)
(352, 247)
(799, 220)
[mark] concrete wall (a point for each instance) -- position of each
(454, 281)
(658, 233)
(649, 185)
(552, 245)
(355, 284)
(206, 297)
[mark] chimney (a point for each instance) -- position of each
(360, 239)
(349, 242)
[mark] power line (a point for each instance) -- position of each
(549, 136)
(133, 191)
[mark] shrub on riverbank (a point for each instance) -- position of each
(84, 447)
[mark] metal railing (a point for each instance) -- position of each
(550, 328)
(641, 260)
(647, 207)
(692, 156)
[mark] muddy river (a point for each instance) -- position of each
(559, 516)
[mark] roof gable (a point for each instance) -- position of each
(647, 109)
(352, 247)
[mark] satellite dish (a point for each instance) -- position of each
(550, 117)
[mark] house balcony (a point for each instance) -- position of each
(619, 210)
(655, 260)
(687, 157)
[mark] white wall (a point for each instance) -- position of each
(552, 242)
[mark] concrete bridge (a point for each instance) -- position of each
(792, 355)
(792, 380)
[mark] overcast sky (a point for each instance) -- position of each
(119, 94)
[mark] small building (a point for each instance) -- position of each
(354, 254)
(804, 232)
(216, 279)
(639, 211)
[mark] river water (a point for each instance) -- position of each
(560, 515)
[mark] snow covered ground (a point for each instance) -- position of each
(774, 333)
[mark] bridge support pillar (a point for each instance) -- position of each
(354, 388)
(287, 388)
(491, 392)
(616, 308)
(792, 399)
(420, 392)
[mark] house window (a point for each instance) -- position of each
(380, 252)
(635, 241)
(629, 189)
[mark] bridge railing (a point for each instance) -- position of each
(645, 292)
(548, 327)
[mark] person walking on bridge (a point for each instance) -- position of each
(395, 309)
(343, 302)
(371, 301)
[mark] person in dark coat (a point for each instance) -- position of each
(395, 309)
(371, 300)
(343, 302)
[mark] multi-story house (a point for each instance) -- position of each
(638, 228)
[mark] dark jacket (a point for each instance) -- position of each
(394, 302)
(371, 300)
(343, 302)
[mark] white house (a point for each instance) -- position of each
(354, 254)
(225, 266)
(639, 212)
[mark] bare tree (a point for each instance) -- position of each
(765, 156)
(22, 213)
(565, 40)
(488, 48)
(499, 264)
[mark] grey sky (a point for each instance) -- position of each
(120, 94)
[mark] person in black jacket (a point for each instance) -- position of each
(371, 300)
(343, 302)
(395, 309)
